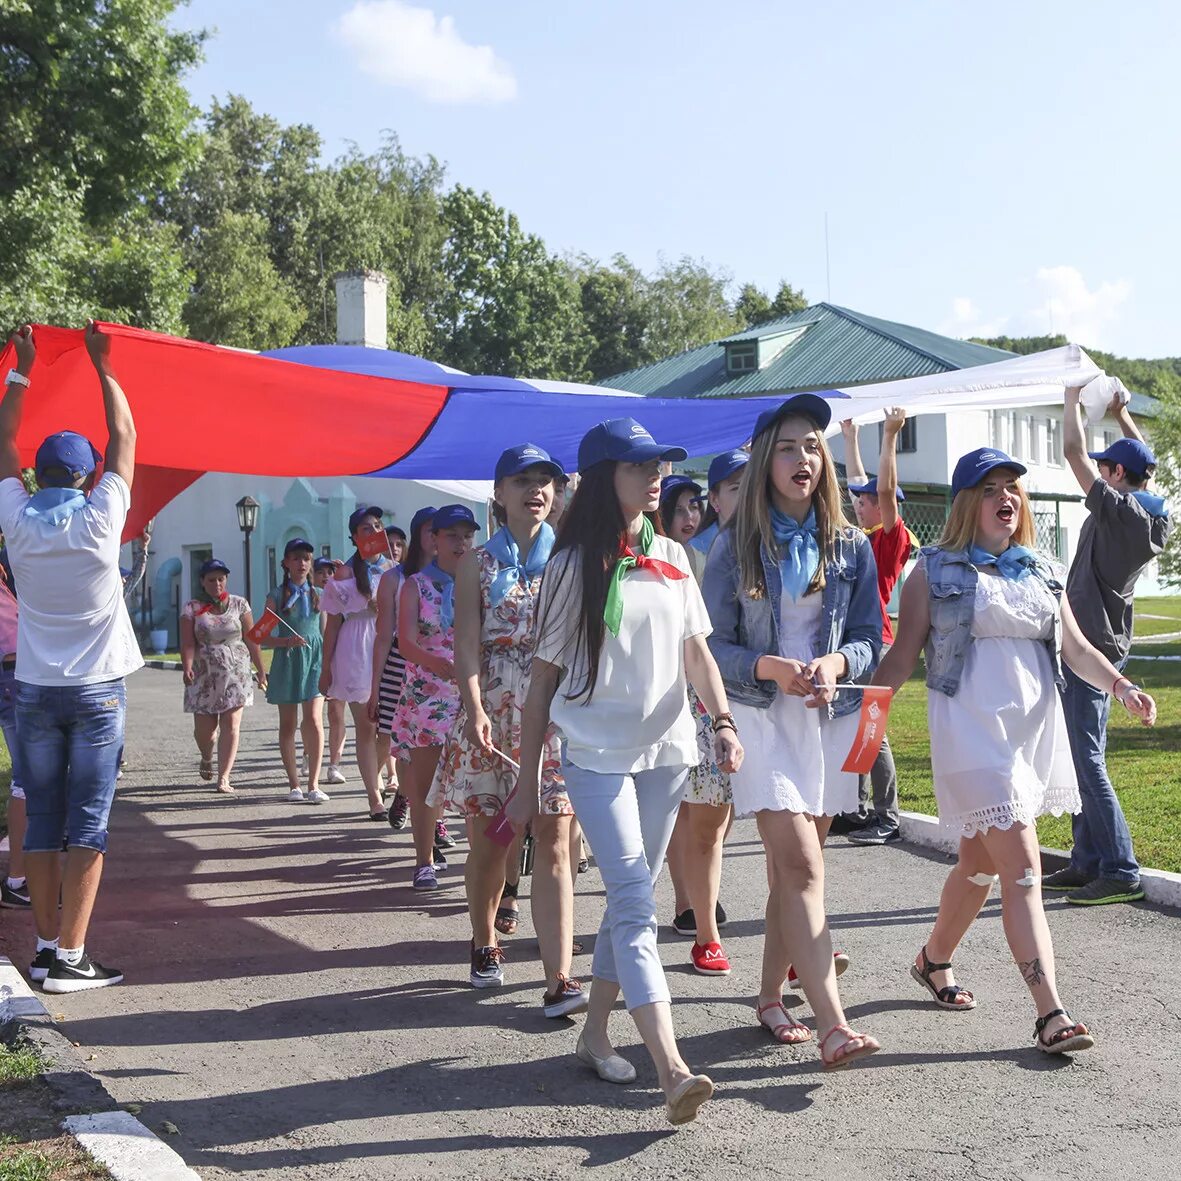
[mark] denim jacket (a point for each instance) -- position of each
(951, 590)
(745, 629)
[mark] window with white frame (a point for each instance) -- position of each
(742, 358)
(1054, 455)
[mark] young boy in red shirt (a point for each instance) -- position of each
(875, 503)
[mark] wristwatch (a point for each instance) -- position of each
(14, 378)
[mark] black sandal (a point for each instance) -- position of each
(1068, 1040)
(508, 918)
(944, 997)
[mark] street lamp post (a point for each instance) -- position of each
(247, 519)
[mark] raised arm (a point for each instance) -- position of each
(120, 456)
(888, 467)
(854, 468)
(1074, 445)
(12, 408)
(1122, 415)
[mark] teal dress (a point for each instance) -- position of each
(295, 672)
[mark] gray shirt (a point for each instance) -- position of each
(1118, 539)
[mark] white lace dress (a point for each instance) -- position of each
(999, 749)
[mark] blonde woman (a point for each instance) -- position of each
(996, 629)
(791, 590)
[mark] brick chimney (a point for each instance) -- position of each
(361, 308)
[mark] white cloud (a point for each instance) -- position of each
(1054, 300)
(402, 45)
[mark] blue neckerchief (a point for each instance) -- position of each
(376, 569)
(446, 585)
(502, 546)
(1015, 563)
(801, 554)
(1154, 506)
(705, 538)
(299, 594)
(55, 505)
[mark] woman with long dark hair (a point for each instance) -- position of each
(350, 603)
(621, 634)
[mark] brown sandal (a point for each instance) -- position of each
(1068, 1040)
(868, 1046)
(944, 997)
(788, 1032)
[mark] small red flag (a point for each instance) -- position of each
(263, 627)
(871, 729)
(373, 544)
(500, 828)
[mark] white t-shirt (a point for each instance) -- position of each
(639, 715)
(74, 627)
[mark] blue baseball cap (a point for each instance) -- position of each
(325, 564)
(420, 518)
(453, 514)
(973, 467)
(623, 440)
(298, 545)
(74, 453)
(359, 515)
(674, 485)
(811, 405)
(725, 465)
(213, 566)
(870, 488)
(522, 458)
(1131, 454)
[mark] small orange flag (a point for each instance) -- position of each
(871, 729)
(373, 544)
(263, 627)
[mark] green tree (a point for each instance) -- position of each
(91, 92)
(753, 306)
(615, 312)
(688, 307)
(787, 301)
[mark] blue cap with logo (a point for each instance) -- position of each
(522, 458)
(973, 467)
(70, 451)
(453, 514)
(623, 440)
(213, 566)
(298, 545)
(359, 515)
(813, 406)
(1132, 455)
(725, 465)
(674, 485)
(870, 488)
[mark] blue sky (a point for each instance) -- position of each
(1013, 167)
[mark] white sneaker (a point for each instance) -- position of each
(295, 796)
(316, 796)
(335, 774)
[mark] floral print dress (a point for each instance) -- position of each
(222, 677)
(469, 779)
(428, 705)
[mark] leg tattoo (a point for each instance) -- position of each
(1032, 972)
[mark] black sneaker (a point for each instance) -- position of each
(844, 823)
(440, 861)
(399, 812)
(719, 915)
(875, 834)
(15, 899)
(41, 964)
(486, 969)
(1067, 878)
(1104, 890)
(685, 923)
(79, 977)
(443, 839)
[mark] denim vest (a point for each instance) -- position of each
(745, 629)
(951, 592)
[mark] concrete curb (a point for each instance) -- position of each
(163, 665)
(115, 1138)
(1161, 888)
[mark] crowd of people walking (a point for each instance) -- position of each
(636, 666)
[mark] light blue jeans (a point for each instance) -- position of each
(628, 820)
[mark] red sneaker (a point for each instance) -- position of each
(710, 960)
(839, 959)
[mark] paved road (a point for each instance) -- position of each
(298, 1012)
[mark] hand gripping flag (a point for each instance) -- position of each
(871, 729)
(263, 628)
(374, 545)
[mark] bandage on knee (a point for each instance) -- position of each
(982, 879)
(1030, 880)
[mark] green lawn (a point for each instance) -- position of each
(1145, 765)
(1170, 606)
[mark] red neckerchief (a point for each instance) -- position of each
(222, 599)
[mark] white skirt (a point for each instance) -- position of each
(793, 760)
